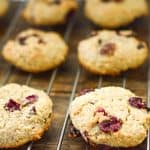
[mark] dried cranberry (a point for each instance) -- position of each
(84, 91)
(56, 1)
(73, 132)
(102, 110)
(108, 49)
(40, 41)
(33, 110)
(22, 40)
(111, 125)
(99, 41)
(137, 102)
(140, 46)
(30, 99)
(12, 105)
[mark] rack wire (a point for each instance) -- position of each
(53, 75)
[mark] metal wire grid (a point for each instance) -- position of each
(54, 74)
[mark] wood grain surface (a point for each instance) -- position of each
(65, 82)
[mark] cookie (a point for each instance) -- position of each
(111, 52)
(3, 7)
(115, 13)
(25, 113)
(111, 116)
(49, 12)
(36, 51)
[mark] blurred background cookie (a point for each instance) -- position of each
(111, 116)
(4, 4)
(115, 13)
(49, 12)
(25, 114)
(36, 51)
(111, 52)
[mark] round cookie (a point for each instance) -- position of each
(3, 7)
(49, 12)
(115, 13)
(110, 116)
(111, 52)
(36, 51)
(25, 113)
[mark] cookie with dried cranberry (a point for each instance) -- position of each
(36, 51)
(25, 114)
(115, 13)
(111, 52)
(49, 12)
(111, 116)
(4, 4)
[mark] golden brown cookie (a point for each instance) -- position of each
(111, 116)
(36, 51)
(49, 12)
(115, 13)
(112, 52)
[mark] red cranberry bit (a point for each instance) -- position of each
(108, 49)
(22, 40)
(33, 110)
(12, 106)
(73, 132)
(111, 125)
(102, 110)
(137, 102)
(140, 46)
(56, 1)
(30, 99)
(84, 91)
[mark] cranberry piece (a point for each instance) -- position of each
(22, 40)
(140, 46)
(108, 49)
(111, 125)
(84, 91)
(56, 2)
(12, 105)
(30, 99)
(102, 110)
(137, 102)
(40, 41)
(73, 132)
(33, 110)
